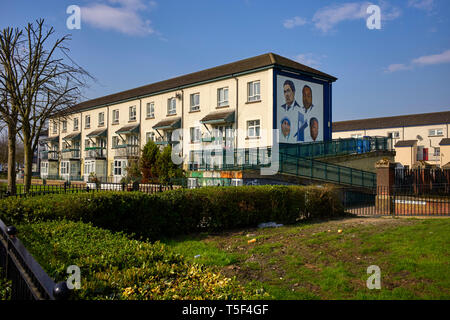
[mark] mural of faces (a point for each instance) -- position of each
(314, 128)
(285, 127)
(289, 94)
(307, 97)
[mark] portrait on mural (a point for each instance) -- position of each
(299, 111)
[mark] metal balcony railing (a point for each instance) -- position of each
(95, 152)
(126, 150)
(49, 155)
(70, 154)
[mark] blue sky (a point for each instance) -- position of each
(402, 68)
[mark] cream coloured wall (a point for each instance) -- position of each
(407, 133)
(261, 110)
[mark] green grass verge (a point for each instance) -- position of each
(113, 266)
(314, 261)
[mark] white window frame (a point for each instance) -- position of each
(64, 125)
(101, 119)
(150, 110)
(435, 132)
(87, 124)
(65, 167)
(437, 152)
(171, 106)
(395, 134)
(55, 127)
(149, 136)
(195, 101)
(222, 99)
(132, 113)
(254, 91)
(75, 124)
(115, 117)
(195, 134)
(252, 127)
(119, 168)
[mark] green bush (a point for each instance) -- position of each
(113, 266)
(179, 211)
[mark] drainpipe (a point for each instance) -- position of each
(236, 112)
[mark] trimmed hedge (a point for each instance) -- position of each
(113, 266)
(179, 211)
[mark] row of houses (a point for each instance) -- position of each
(418, 139)
(233, 106)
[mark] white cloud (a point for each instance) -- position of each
(294, 22)
(426, 5)
(125, 18)
(327, 18)
(397, 67)
(433, 59)
(309, 59)
(443, 57)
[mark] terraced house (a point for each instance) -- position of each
(236, 105)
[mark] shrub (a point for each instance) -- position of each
(115, 267)
(178, 211)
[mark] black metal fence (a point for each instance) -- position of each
(397, 201)
(66, 188)
(428, 178)
(28, 280)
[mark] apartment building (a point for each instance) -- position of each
(236, 105)
(416, 137)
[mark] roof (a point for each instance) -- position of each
(129, 129)
(218, 117)
(170, 123)
(97, 133)
(73, 136)
(405, 143)
(393, 122)
(445, 142)
(264, 60)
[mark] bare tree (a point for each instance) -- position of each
(49, 85)
(9, 98)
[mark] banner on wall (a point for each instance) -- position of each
(299, 110)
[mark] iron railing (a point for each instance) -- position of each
(396, 201)
(28, 280)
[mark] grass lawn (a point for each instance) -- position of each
(315, 261)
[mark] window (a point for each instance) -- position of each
(64, 167)
(437, 152)
(151, 110)
(132, 113)
(101, 118)
(171, 106)
(44, 167)
(75, 124)
(195, 102)
(87, 122)
(55, 127)
(64, 126)
(254, 91)
(222, 97)
(253, 128)
(115, 141)
(435, 132)
(149, 136)
(119, 167)
(195, 134)
(394, 134)
(115, 118)
(133, 140)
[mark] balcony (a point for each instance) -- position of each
(49, 155)
(126, 151)
(95, 153)
(164, 141)
(70, 154)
